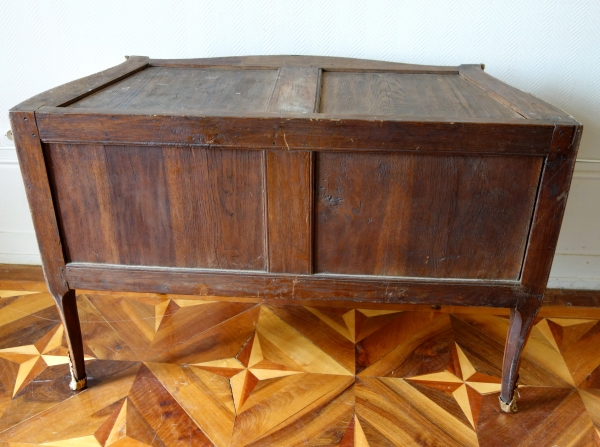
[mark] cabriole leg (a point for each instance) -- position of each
(521, 322)
(67, 307)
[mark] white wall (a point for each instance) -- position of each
(550, 48)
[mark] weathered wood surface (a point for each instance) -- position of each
(297, 90)
(41, 203)
(550, 207)
(166, 206)
(290, 287)
(422, 95)
(79, 89)
(423, 215)
(181, 89)
(312, 132)
(571, 302)
(289, 192)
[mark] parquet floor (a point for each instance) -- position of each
(178, 370)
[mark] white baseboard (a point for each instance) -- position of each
(575, 272)
(19, 248)
(16, 258)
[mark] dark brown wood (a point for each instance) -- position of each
(312, 131)
(139, 200)
(575, 298)
(438, 216)
(37, 187)
(521, 323)
(550, 207)
(201, 176)
(293, 287)
(179, 207)
(289, 194)
(553, 298)
(79, 178)
(67, 309)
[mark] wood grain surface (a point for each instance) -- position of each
(80, 88)
(290, 194)
(431, 95)
(133, 205)
(182, 89)
(550, 207)
(423, 215)
(168, 370)
(39, 196)
(317, 132)
(276, 287)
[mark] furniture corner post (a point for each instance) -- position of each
(37, 187)
(522, 317)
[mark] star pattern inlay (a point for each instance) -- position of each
(460, 384)
(33, 359)
(264, 357)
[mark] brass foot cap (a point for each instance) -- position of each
(78, 385)
(510, 407)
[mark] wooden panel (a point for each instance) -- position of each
(422, 95)
(289, 189)
(217, 207)
(296, 90)
(423, 215)
(140, 206)
(39, 196)
(177, 207)
(312, 131)
(175, 89)
(280, 287)
(80, 182)
(554, 190)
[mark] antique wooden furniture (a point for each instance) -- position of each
(298, 178)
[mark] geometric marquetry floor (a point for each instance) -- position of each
(177, 370)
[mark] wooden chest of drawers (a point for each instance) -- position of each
(298, 178)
